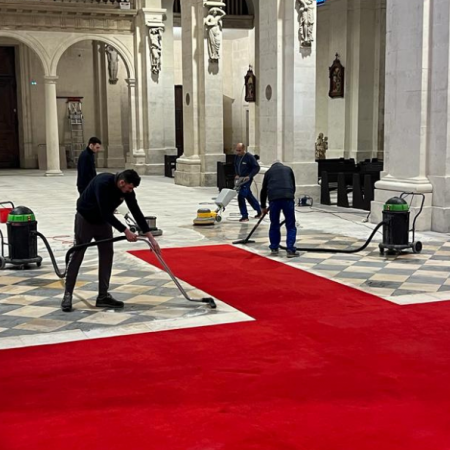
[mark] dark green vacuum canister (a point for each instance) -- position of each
(396, 219)
(22, 243)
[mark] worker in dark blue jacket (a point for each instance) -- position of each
(279, 186)
(94, 220)
(86, 164)
(246, 167)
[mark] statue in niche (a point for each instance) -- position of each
(155, 34)
(250, 86)
(337, 72)
(113, 63)
(214, 23)
(306, 12)
(321, 147)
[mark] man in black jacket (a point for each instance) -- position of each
(86, 164)
(246, 167)
(279, 186)
(94, 220)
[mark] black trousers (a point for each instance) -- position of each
(84, 233)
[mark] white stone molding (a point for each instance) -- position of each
(62, 16)
(213, 24)
(306, 10)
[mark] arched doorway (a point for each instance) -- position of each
(93, 98)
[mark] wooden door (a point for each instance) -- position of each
(179, 140)
(9, 142)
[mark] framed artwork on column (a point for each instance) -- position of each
(337, 79)
(250, 86)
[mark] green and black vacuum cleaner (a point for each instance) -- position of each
(22, 241)
(396, 226)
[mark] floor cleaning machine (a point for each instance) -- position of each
(207, 217)
(22, 245)
(396, 231)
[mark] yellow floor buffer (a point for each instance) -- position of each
(207, 217)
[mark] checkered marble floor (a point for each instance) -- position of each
(30, 299)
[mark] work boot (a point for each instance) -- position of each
(107, 301)
(292, 253)
(274, 252)
(66, 304)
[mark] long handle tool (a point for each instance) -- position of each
(209, 300)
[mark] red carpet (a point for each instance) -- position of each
(323, 367)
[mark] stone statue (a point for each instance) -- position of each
(155, 34)
(321, 146)
(113, 63)
(306, 12)
(214, 23)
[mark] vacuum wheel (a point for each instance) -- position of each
(417, 247)
(381, 249)
(218, 218)
(2, 263)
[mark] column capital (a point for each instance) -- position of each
(51, 79)
(154, 17)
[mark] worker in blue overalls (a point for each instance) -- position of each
(246, 167)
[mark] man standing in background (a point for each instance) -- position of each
(86, 164)
(246, 167)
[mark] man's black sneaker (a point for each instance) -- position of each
(274, 252)
(106, 301)
(258, 216)
(243, 219)
(292, 253)
(66, 304)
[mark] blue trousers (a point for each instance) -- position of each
(245, 193)
(288, 209)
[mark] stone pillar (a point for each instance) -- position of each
(101, 111)
(407, 119)
(288, 91)
(203, 96)
(27, 153)
(439, 136)
(115, 150)
(51, 127)
(133, 145)
(366, 45)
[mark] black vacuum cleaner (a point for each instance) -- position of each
(22, 245)
(396, 218)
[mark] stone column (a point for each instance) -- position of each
(288, 91)
(407, 119)
(203, 95)
(131, 82)
(439, 136)
(51, 127)
(101, 110)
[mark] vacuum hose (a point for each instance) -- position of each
(335, 250)
(73, 249)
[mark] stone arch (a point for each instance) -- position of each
(127, 57)
(34, 44)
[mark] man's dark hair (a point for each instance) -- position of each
(94, 141)
(130, 177)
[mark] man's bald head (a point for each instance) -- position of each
(240, 149)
